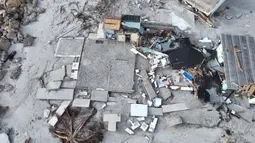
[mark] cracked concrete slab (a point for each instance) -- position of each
(109, 65)
(69, 47)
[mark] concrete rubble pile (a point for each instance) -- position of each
(174, 66)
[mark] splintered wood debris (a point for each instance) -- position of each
(75, 126)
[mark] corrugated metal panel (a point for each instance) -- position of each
(131, 18)
(113, 24)
(234, 75)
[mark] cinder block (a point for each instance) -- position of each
(153, 125)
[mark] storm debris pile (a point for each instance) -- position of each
(13, 14)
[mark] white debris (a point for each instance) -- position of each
(139, 110)
(46, 113)
(140, 119)
(143, 95)
(62, 108)
(144, 126)
(129, 131)
(157, 102)
(135, 125)
(149, 103)
(53, 121)
(137, 52)
(75, 66)
(74, 74)
(4, 138)
(104, 105)
(153, 125)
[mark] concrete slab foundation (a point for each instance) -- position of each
(69, 47)
(108, 65)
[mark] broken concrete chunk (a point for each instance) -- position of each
(149, 103)
(139, 110)
(53, 121)
(68, 70)
(62, 94)
(131, 101)
(165, 93)
(112, 99)
(149, 89)
(28, 40)
(75, 66)
(135, 125)
(110, 103)
(153, 125)
(46, 113)
(173, 121)
(112, 119)
(15, 73)
(157, 102)
(144, 126)
(4, 138)
(81, 102)
(112, 126)
(53, 85)
(155, 111)
(62, 108)
(57, 75)
(174, 107)
(129, 131)
(74, 75)
(69, 47)
(99, 95)
(140, 119)
(69, 84)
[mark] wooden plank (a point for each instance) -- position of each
(226, 68)
(231, 60)
(240, 74)
(251, 90)
(246, 60)
(251, 47)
